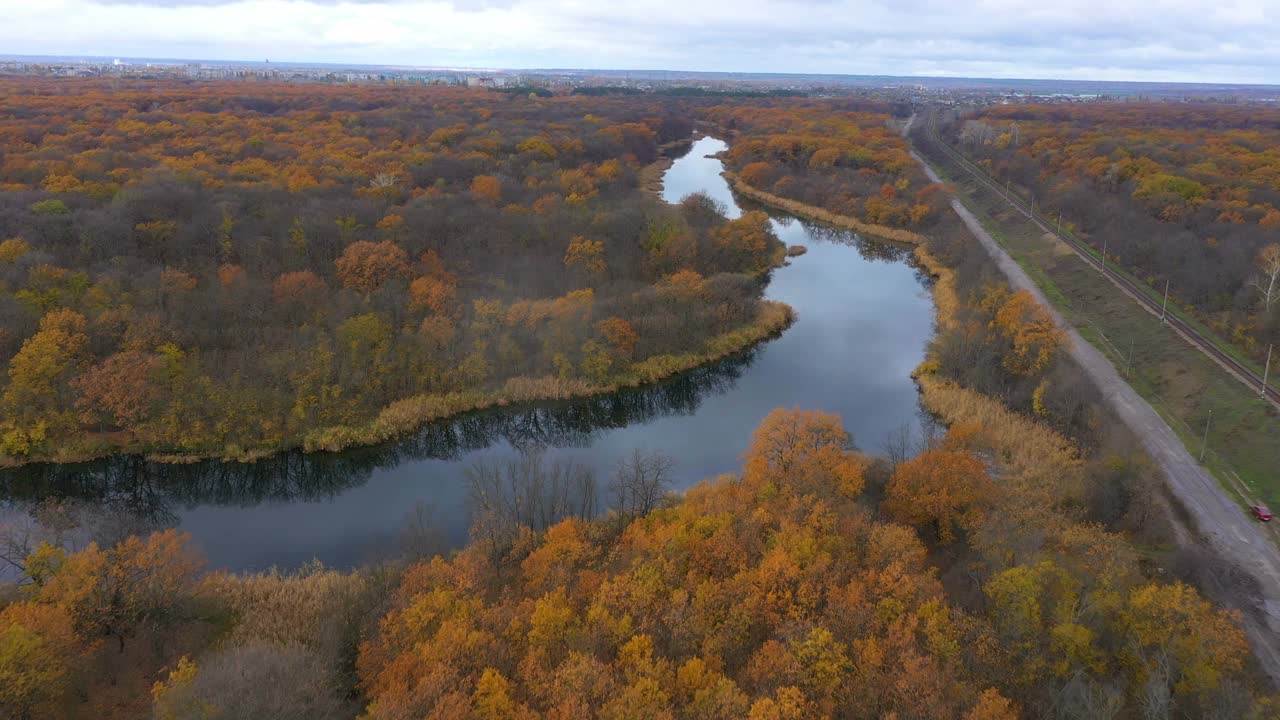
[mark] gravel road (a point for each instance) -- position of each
(1220, 524)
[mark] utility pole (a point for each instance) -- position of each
(1164, 311)
(1059, 222)
(1128, 363)
(1266, 371)
(1204, 445)
(1103, 267)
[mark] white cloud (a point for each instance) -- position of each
(1230, 41)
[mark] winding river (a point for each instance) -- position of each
(864, 318)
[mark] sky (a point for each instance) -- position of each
(1146, 40)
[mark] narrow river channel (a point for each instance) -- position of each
(864, 318)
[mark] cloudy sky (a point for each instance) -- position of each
(1173, 40)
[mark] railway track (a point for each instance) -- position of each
(1212, 518)
(1206, 345)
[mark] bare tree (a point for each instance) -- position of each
(18, 537)
(898, 443)
(640, 481)
(1156, 699)
(1083, 698)
(420, 536)
(1268, 284)
(977, 133)
(258, 680)
(56, 521)
(931, 430)
(525, 492)
(1229, 700)
(383, 180)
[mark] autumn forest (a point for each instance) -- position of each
(1189, 194)
(234, 269)
(194, 271)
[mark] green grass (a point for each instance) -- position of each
(1179, 381)
(1231, 349)
(1234, 351)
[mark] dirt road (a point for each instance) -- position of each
(1220, 524)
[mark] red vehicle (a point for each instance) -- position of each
(1261, 512)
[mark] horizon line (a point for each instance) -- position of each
(534, 70)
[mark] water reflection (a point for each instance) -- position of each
(150, 491)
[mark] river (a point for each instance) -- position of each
(865, 316)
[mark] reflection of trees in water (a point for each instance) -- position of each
(869, 248)
(128, 488)
(506, 498)
(573, 423)
(148, 491)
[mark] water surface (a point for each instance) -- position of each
(864, 318)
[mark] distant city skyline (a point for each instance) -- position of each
(1159, 41)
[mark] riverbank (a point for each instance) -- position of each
(812, 212)
(942, 398)
(945, 295)
(405, 416)
(650, 176)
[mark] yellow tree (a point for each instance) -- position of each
(755, 173)
(137, 584)
(487, 188)
(704, 693)
(492, 700)
(992, 705)
(586, 256)
(365, 266)
(553, 625)
(38, 653)
(804, 449)
(1035, 610)
(824, 665)
(688, 285)
(392, 226)
(1175, 632)
(432, 293)
(301, 288)
(38, 403)
(670, 244)
(643, 699)
(746, 240)
(13, 249)
(943, 489)
(825, 158)
(230, 275)
(620, 335)
(1034, 336)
